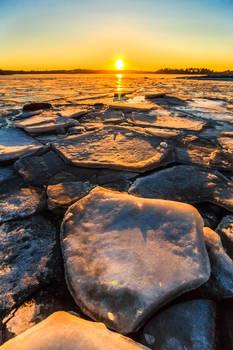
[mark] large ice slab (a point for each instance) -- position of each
(225, 231)
(29, 256)
(187, 326)
(73, 112)
(173, 122)
(44, 124)
(20, 203)
(166, 100)
(15, 143)
(227, 144)
(9, 179)
(62, 195)
(186, 183)
(63, 331)
(204, 154)
(37, 170)
(220, 284)
(125, 256)
(115, 147)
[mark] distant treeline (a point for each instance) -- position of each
(201, 71)
(185, 71)
(55, 71)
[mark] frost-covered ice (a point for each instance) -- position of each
(208, 99)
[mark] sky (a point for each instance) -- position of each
(93, 34)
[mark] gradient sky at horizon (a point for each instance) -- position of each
(146, 34)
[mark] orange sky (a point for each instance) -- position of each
(146, 34)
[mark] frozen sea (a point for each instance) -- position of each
(206, 98)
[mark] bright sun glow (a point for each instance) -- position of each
(119, 64)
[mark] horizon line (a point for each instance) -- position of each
(189, 70)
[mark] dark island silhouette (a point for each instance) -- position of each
(107, 71)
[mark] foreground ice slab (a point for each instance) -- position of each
(73, 112)
(37, 170)
(44, 124)
(116, 148)
(62, 195)
(28, 255)
(186, 183)
(63, 331)
(206, 155)
(15, 143)
(189, 325)
(173, 122)
(37, 308)
(126, 256)
(165, 100)
(220, 284)
(49, 168)
(225, 231)
(21, 203)
(227, 144)
(9, 179)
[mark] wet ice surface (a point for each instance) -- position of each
(206, 99)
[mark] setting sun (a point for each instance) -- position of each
(119, 64)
